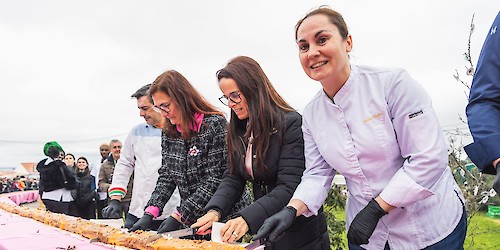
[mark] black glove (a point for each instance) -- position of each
(144, 223)
(113, 210)
(169, 224)
(496, 182)
(364, 223)
(276, 225)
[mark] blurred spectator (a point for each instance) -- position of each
(94, 171)
(62, 154)
(53, 176)
(69, 160)
(85, 190)
(20, 185)
(106, 173)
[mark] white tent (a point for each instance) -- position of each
(21, 170)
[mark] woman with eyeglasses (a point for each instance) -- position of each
(377, 127)
(265, 147)
(193, 152)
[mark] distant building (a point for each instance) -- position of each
(26, 169)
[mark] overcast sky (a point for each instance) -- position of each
(68, 68)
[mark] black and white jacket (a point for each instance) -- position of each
(195, 166)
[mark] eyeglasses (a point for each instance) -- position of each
(233, 96)
(165, 107)
(118, 146)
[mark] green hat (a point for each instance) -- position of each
(51, 144)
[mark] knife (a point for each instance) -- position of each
(255, 244)
(173, 234)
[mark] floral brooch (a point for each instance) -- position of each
(193, 151)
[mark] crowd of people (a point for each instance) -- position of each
(19, 183)
(188, 166)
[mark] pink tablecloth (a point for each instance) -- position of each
(17, 232)
(21, 197)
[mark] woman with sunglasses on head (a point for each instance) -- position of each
(193, 152)
(265, 147)
(377, 127)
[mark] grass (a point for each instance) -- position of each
(483, 232)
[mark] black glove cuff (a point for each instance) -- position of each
(148, 215)
(376, 209)
(292, 210)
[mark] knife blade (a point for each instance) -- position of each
(173, 234)
(255, 244)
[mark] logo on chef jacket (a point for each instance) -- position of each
(373, 117)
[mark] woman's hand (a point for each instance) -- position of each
(234, 229)
(205, 222)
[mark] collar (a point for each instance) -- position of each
(196, 125)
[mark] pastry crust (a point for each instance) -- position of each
(111, 235)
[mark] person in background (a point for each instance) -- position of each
(3, 185)
(86, 190)
(193, 153)
(377, 127)
(55, 197)
(69, 160)
(106, 174)
(265, 147)
(483, 110)
(61, 156)
(20, 184)
(104, 152)
(140, 156)
(94, 171)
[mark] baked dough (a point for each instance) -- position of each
(111, 235)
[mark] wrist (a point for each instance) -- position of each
(496, 164)
(377, 208)
(216, 213)
(153, 210)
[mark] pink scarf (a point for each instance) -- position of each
(196, 123)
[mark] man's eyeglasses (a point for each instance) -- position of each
(233, 96)
(165, 107)
(118, 146)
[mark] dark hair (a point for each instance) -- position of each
(143, 91)
(333, 16)
(71, 155)
(187, 100)
(266, 106)
(53, 152)
(87, 170)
